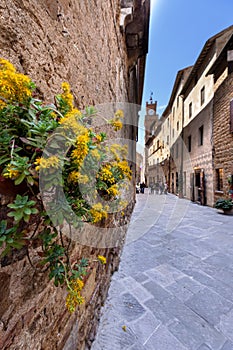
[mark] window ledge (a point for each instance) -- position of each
(219, 192)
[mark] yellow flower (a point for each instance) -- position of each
(124, 168)
(67, 96)
(46, 163)
(80, 152)
(119, 113)
(74, 297)
(106, 174)
(98, 212)
(101, 259)
(11, 173)
(14, 87)
(77, 177)
(98, 138)
(116, 123)
(113, 190)
(95, 153)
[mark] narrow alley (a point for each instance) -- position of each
(173, 289)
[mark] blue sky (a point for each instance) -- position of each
(178, 32)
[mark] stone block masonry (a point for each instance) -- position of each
(222, 135)
(75, 41)
(80, 42)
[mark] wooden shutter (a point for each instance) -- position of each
(231, 116)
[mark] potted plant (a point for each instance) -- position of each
(225, 205)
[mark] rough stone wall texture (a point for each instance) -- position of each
(54, 41)
(200, 156)
(222, 136)
(75, 41)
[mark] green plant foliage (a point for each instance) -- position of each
(89, 169)
(225, 204)
(23, 208)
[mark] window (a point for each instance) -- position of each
(201, 133)
(190, 109)
(177, 102)
(157, 144)
(173, 132)
(173, 113)
(202, 95)
(177, 150)
(219, 179)
(167, 139)
(157, 160)
(189, 143)
(168, 122)
(177, 126)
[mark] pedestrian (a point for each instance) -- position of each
(165, 188)
(142, 187)
(160, 188)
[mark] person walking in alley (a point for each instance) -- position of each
(142, 187)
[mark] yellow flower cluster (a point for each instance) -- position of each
(14, 87)
(116, 122)
(98, 212)
(98, 138)
(101, 259)
(77, 177)
(74, 297)
(95, 153)
(106, 174)
(81, 150)
(67, 96)
(119, 113)
(11, 172)
(124, 168)
(113, 190)
(46, 163)
(70, 122)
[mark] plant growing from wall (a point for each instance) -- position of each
(26, 125)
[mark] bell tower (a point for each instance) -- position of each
(151, 117)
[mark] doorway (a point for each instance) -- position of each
(198, 186)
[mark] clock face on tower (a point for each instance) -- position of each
(151, 112)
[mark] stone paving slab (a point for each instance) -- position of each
(174, 286)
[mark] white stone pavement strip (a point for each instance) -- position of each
(173, 289)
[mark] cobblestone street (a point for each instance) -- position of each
(174, 287)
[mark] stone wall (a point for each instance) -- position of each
(76, 41)
(200, 157)
(80, 42)
(222, 136)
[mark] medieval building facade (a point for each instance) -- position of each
(195, 157)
